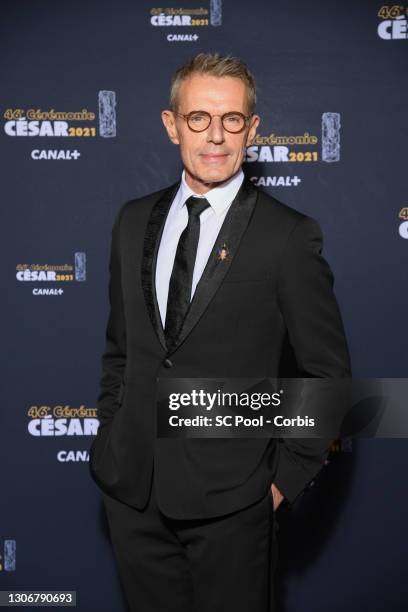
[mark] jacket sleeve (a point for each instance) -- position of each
(316, 333)
(114, 355)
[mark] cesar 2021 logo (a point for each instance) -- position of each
(394, 24)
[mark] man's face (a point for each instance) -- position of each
(214, 155)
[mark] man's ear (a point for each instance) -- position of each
(255, 121)
(170, 125)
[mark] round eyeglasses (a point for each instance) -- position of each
(233, 122)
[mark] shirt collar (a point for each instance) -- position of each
(219, 198)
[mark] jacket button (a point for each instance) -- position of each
(168, 363)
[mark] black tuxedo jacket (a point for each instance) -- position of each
(267, 310)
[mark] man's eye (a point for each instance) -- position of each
(198, 118)
(233, 118)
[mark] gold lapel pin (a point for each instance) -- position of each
(223, 253)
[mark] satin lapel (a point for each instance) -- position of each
(230, 234)
(154, 230)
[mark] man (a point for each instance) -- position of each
(208, 278)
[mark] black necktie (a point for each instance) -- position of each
(181, 279)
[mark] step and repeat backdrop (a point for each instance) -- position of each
(83, 85)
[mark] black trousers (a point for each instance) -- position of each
(222, 564)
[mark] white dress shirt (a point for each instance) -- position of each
(220, 199)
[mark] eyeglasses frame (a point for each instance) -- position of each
(188, 115)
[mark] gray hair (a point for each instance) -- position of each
(217, 65)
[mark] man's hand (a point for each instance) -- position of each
(277, 497)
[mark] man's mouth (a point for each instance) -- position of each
(214, 157)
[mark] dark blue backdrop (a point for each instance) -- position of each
(92, 78)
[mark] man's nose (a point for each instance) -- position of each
(215, 132)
